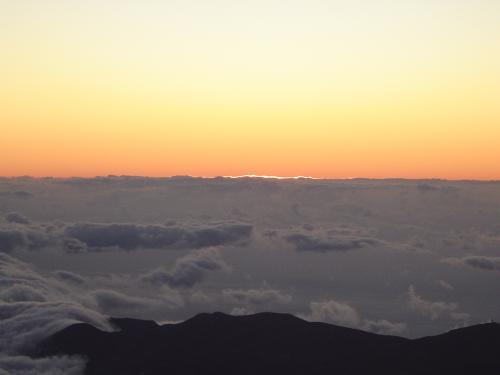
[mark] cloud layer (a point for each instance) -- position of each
(309, 242)
(341, 251)
(32, 307)
(134, 236)
(81, 237)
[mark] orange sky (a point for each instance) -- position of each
(313, 88)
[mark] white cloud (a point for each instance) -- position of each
(434, 309)
(342, 313)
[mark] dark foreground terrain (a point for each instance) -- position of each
(270, 343)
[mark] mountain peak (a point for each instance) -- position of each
(220, 316)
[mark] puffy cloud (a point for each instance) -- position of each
(13, 237)
(433, 310)
(384, 327)
(343, 314)
(82, 237)
(330, 241)
(334, 311)
(256, 297)
(188, 270)
(485, 263)
(73, 246)
(134, 236)
(14, 217)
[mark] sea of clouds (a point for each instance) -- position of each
(401, 257)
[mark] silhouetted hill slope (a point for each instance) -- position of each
(269, 343)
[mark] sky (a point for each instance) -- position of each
(313, 88)
(401, 257)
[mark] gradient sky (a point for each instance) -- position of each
(373, 88)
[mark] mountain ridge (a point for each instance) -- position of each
(271, 343)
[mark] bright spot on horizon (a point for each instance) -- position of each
(275, 177)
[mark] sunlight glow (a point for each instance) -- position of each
(275, 177)
(371, 88)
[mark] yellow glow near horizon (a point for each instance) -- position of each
(373, 88)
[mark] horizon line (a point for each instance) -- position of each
(250, 176)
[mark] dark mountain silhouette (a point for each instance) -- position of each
(269, 343)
